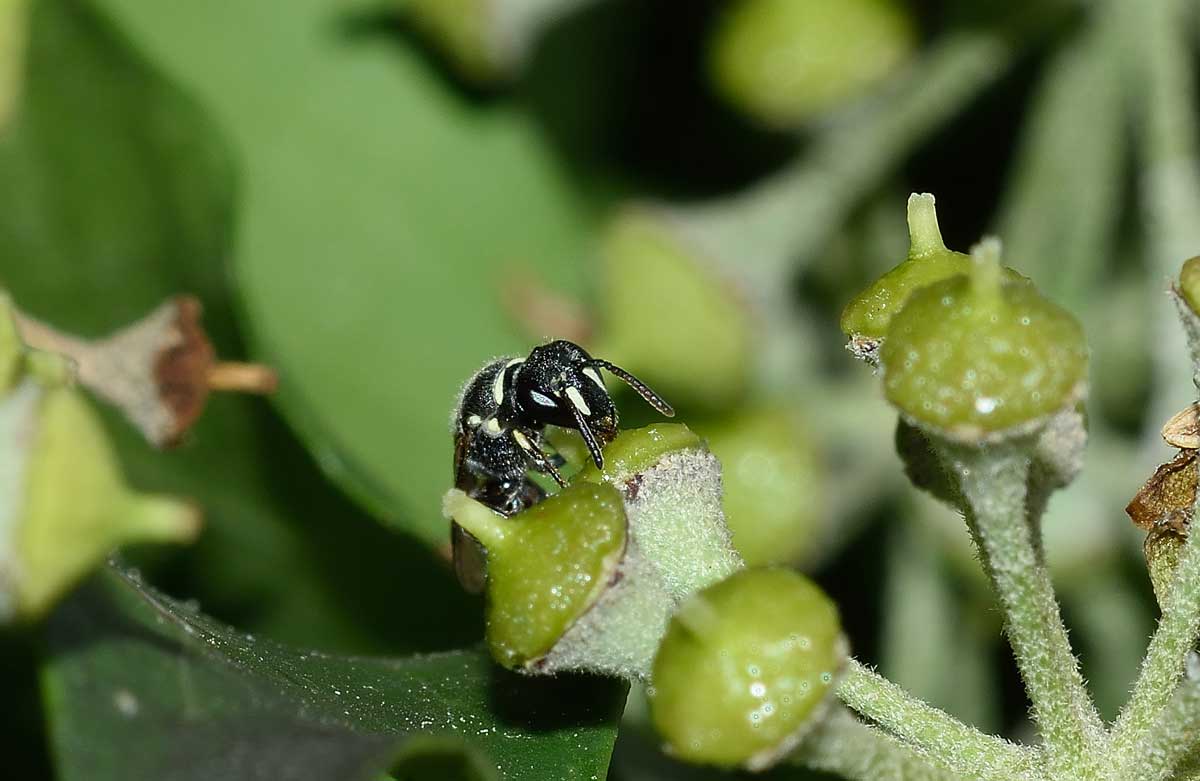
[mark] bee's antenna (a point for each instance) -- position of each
(641, 388)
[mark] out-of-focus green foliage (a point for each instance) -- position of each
(144, 687)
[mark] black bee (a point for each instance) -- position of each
(499, 425)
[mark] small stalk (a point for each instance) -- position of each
(1165, 659)
(946, 741)
(993, 481)
(853, 750)
(1175, 734)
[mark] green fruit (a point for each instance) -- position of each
(546, 566)
(744, 667)
(772, 480)
(782, 61)
(928, 261)
(636, 450)
(668, 318)
(1189, 283)
(976, 355)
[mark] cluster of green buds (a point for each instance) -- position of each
(630, 571)
(63, 502)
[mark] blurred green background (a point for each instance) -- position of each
(377, 197)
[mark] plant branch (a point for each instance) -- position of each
(858, 751)
(1165, 659)
(1175, 733)
(943, 739)
(993, 481)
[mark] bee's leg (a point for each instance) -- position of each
(530, 443)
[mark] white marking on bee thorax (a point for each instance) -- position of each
(522, 440)
(595, 377)
(474, 420)
(498, 383)
(492, 426)
(577, 401)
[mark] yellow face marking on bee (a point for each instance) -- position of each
(595, 377)
(474, 420)
(492, 426)
(576, 399)
(522, 440)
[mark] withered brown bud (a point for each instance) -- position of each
(158, 370)
(1165, 502)
(1183, 429)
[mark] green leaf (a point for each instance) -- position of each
(146, 688)
(381, 212)
(116, 190)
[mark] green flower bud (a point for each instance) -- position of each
(867, 317)
(1189, 283)
(772, 478)
(546, 566)
(672, 487)
(588, 578)
(978, 355)
(744, 669)
(71, 506)
(653, 283)
(783, 61)
(63, 504)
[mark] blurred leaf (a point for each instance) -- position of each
(115, 192)
(1059, 217)
(145, 688)
(380, 212)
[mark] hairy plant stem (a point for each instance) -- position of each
(1174, 735)
(993, 481)
(854, 750)
(1165, 659)
(945, 741)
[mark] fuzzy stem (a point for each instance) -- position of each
(943, 739)
(857, 751)
(1165, 659)
(1175, 734)
(993, 481)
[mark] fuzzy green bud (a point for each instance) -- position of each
(1189, 283)
(867, 317)
(588, 578)
(744, 669)
(772, 478)
(653, 283)
(783, 61)
(63, 503)
(546, 567)
(978, 355)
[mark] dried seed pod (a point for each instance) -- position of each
(1165, 501)
(158, 370)
(1183, 429)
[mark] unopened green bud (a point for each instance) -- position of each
(588, 578)
(546, 566)
(1189, 283)
(772, 478)
(744, 669)
(866, 318)
(668, 317)
(783, 61)
(72, 507)
(978, 355)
